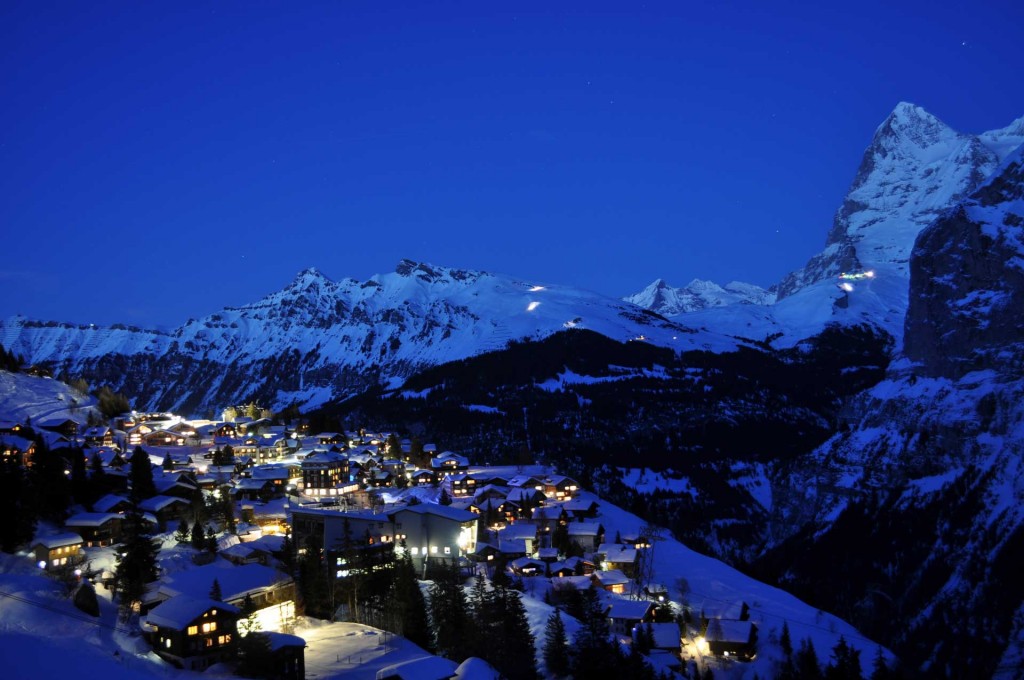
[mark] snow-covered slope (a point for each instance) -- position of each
(666, 300)
(319, 339)
(26, 398)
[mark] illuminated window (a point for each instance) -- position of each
(209, 642)
(167, 643)
(415, 551)
(433, 549)
(210, 627)
(447, 550)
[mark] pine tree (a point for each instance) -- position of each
(168, 463)
(556, 646)
(409, 605)
(593, 652)
(516, 657)
(444, 498)
(879, 669)
(141, 475)
(198, 536)
(787, 667)
(137, 565)
(845, 663)
(448, 614)
(49, 481)
(215, 592)
(17, 508)
(807, 661)
(183, 534)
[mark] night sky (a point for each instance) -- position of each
(159, 161)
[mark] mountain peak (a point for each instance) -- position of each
(911, 127)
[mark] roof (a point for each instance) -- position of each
(108, 502)
(58, 541)
(729, 630)
(446, 511)
(179, 611)
(235, 582)
(666, 635)
(282, 640)
(475, 668)
(422, 668)
(614, 552)
(610, 577)
(157, 503)
(90, 519)
(629, 609)
(584, 529)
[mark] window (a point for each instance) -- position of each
(447, 550)
(210, 627)
(415, 551)
(167, 643)
(433, 549)
(193, 630)
(209, 642)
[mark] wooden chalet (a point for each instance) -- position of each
(192, 633)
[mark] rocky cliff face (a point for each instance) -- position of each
(920, 503)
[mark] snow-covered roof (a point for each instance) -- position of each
(445, 511)
(177, 612)
(58, 541)
(610, 577)
(728, 630)
(157, 503)
(235, 581)
(90, 519)
(629, 609)
(584, 529)
(282, 640)
(475, 668)
(423, 668)
(108, 503)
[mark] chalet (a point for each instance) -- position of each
(526, 498)
(163, 438)
(496, 513)
(62, 550)
(588, 535)
(732, 638)
(325, 473)
(448, 462)
(98, 436)
(287, 660)
(166, 509)
(224, 430)
(437, 532)
(178, 483)
(328, 438)
(560, 487)
(521, 531)
(271, 591)
(559, 569)
(624, 615)
(460, 484)
(424, 478)
(97, 529)
(526, 482)
(10, 427)
(15, 450)
(621, 557)
(111, 503)
(489, 491)
(192, 633)
(529, 566)
(581, 509)
(255, 489)
(137, 432)
(393, 465)
(111, 459)
(63, 426)
(611, 580)
(513, 548)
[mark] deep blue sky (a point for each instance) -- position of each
(162, 160)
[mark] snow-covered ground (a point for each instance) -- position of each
(24, 397)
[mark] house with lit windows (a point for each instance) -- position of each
(192, 633)
(63, 550)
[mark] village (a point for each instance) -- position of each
(238, 503)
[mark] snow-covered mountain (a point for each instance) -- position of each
(661, 298)
(318, 339)
(915, 168)
(921, 502)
